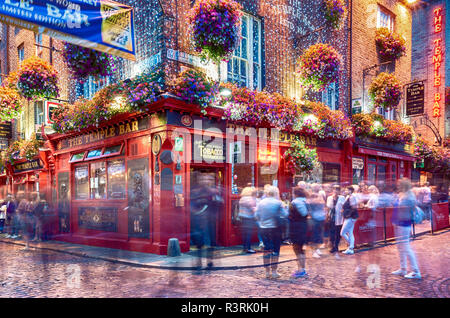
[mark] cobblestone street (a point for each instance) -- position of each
(41, 273)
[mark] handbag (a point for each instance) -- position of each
(418, 215)
(347, 209)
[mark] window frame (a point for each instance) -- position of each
(382, 11)
(250, 59)
(106, 161)
(21, 48)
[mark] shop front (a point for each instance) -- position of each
(380, 163)
(128, 183)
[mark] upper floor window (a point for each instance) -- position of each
(385, 19)
(330, 96)
(244, 68)
(386, 114)
(92, 85)
(39, 113)
(21, 52)
(38, 40)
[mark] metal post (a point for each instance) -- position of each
(385, 230)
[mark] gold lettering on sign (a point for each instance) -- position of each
(103, 134)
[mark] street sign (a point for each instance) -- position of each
(415, 99)
(101, 25)
(356, 106)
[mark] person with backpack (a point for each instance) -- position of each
(298, 213)
(350, 211)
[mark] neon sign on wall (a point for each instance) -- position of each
(437, 60)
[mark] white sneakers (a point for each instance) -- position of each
(316, 255)
(348, 251)
(400, 272)
(412, 275)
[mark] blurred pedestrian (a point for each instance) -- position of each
(247, 209)
(268, 213)
(201, 205)
(10, 212)
(425, 200)
(38, 214)
(2, 216)
(259, 197)
(285, 238)
(298, 213)
(316, 205)
(350, 211)
(20, 215)
(402, 218)
(335, 204)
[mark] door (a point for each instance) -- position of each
(207, 203)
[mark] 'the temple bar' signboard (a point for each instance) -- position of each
(415, 99)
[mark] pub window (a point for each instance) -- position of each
(381, 177)
(242, 168)
(77, 157)
(94, 153)
(113, 150)
(82, 182)
(116, 179)
(98, 180)
(371, 173)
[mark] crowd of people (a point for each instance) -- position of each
(22, 216)
(314, 212)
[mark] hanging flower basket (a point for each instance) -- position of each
(195, 88)
(318, 67)
(37, 79)
(335, 13)
(215, 28)
(84, 62)
(385, 91)
(301, 159)
(390, 46)
(10, 106)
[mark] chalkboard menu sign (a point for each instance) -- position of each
(415, 99)
(5, 130)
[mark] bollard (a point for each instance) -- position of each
(174, 248)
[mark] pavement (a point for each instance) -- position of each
(224, 258)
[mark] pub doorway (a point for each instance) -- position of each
(207, 206)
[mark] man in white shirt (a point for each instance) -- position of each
(334, 205)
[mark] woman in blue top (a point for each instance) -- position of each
(402, 219)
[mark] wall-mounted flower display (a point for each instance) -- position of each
(335, 13)
(37, 79)
(299, 158)
(10, 106)
(385, 91)
(390, 45)
(84, 62)
(194, 87)
(318, 67)
(215, 28)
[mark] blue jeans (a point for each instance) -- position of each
(318, 231)
(16, 224)
(247, 228)
(2, 225)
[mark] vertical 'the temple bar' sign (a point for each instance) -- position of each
(437, 60)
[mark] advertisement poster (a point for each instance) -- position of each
(102, 25)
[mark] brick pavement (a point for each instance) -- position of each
(45, 273)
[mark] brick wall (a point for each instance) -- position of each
(423, 69)
(364, 49)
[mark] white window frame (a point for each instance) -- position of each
(249, 61)
(38, 40)
(90, 87)
(21, 48)
(330, 96)
(385, 19)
